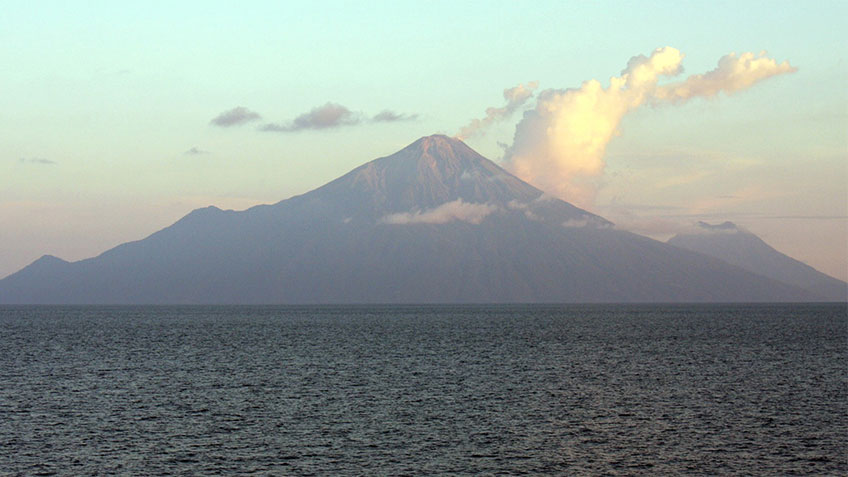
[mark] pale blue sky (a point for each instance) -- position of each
(99, 101)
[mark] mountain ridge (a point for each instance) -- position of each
(737, 246)
(432, 223)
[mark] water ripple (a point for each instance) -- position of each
(507, 390)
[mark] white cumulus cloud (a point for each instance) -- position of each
(559, 145)
(733, 73)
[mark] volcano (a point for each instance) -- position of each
(433, 223)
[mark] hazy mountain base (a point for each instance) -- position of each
(739, 247)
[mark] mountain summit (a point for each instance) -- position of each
(430, 173)
(435, 222)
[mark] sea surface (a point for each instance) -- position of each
(424, 390)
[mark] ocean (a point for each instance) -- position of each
(424, 390)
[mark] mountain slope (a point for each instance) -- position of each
(734, 245)
(430, 172)
(434, 222)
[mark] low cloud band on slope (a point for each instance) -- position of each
(455, 211)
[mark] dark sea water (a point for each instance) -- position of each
(505, 390)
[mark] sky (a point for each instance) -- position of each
(117, 119)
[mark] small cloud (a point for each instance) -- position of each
(545, 197)
(328, 116)
(470, 175)
(235, 117)
(733, 73)
(586, 221)
(533, 216)
(725, 227)
(387, 116)
(515, 97)
(37, 160)
(195, 152)
(456, 210)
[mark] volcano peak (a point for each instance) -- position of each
(431, 171)
(440, 148)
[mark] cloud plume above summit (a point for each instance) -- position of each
(733, 73)
(559, 145)
(515, 97)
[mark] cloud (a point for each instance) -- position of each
(194, 151)
(447, 212)
(387, 116)
(733, 73)
(235, 117)
(37, 160)
(559, 145)
(576, 223)
(723, 228)
(476, 175)
(328, 116)
(515, 98)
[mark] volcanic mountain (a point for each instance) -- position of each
(433, 223)
(739, 247)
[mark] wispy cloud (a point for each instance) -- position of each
(455, 211)
(515, 97)
(585, 222)
(195, 151)
(560, 144)
(235, 117)
(388, 116)
(37, 160)
(733, 73)
(725, 227)
(333, 116)
(328, 116)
